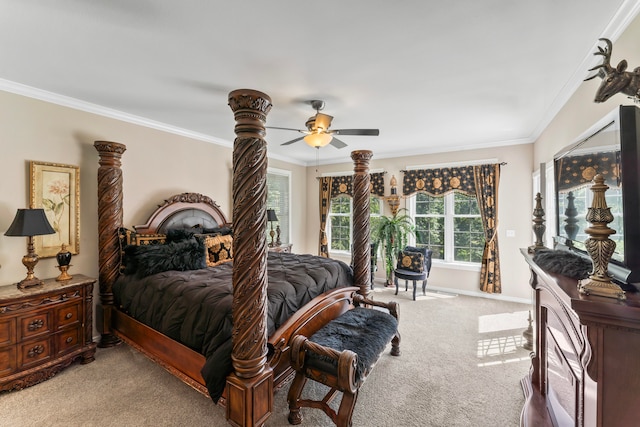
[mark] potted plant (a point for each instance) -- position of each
(392, 235)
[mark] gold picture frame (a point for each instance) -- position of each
(56, 189)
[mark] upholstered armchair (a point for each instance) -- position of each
(413, 264)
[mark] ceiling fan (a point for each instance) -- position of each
(318, 134)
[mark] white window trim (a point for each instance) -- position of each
(448, 261)
(328, 230)
(288, 174)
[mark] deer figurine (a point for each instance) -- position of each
(616, 79)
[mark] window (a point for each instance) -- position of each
(450, 226)
(339, 227)
(278, 199)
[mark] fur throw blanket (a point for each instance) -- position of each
(563, 262)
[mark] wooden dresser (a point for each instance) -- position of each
(44, 329)
(586, 359)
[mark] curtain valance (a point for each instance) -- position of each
(578, 171)
(342, 185)
(438, 182)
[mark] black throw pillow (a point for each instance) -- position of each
(182, 255)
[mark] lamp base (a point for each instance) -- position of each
(64, 276)
(603, 288)
(29, 283)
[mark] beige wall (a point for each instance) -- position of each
(580, 112)
(515, 207)
(155, 166)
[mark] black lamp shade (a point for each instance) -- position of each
(30, 222)
(271, 215)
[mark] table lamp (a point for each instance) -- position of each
(29, 223)
(271, 216)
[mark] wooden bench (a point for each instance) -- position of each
(341, 355)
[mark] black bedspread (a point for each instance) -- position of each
(194, 307)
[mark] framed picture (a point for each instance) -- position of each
(56, 189)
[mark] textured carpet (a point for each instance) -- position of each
(461, 364)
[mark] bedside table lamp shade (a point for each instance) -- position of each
(271, 216)
(29, 223)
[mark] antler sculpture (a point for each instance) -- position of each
(616, 79)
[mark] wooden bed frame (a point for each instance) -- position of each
(261, 364)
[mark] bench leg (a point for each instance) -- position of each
(424, 287)
(414, 290)
(295, 416)
(345, 411)
(395, 280)
(406, 285)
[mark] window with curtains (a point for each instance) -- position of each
(339, 224)
(278, 199)
(450, 225)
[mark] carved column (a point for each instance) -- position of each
(361, 254)
(538, 224)
(250, 388)
(109, 220)
(599, 246)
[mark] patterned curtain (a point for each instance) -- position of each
(479, 181)
(377, 183)
(487, 178)
(439, 182)
(343, 185)
(578, 171)
(325, 203)
(331, 187)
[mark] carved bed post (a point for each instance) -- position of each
(361, 223)
(109, 220)
(250, 387)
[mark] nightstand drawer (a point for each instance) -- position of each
(34, 324)
(33, 352)
(8, 360)
(68, 314)
(68, 340)
(7, 332)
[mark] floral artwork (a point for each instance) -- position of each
(55, 188)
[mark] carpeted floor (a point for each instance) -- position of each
(461, 365)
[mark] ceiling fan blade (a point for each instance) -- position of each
(295, 130)
(337, 143)
(323, 121)
(292, 141)
(364, 132)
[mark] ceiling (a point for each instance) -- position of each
(431, 75)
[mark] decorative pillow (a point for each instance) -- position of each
(177, 234)
(182, 255)
(412, 261)
(223, 231)
(219, 249)
(131, 238)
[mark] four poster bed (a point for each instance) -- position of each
(268, 299)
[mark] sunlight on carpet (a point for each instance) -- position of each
(500, 337)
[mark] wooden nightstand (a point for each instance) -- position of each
(44, 329)
(282, 248)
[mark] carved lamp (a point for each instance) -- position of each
(29, 223)
(271, 217)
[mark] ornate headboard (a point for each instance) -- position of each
(184, 210)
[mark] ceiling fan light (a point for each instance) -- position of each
(317, 140)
